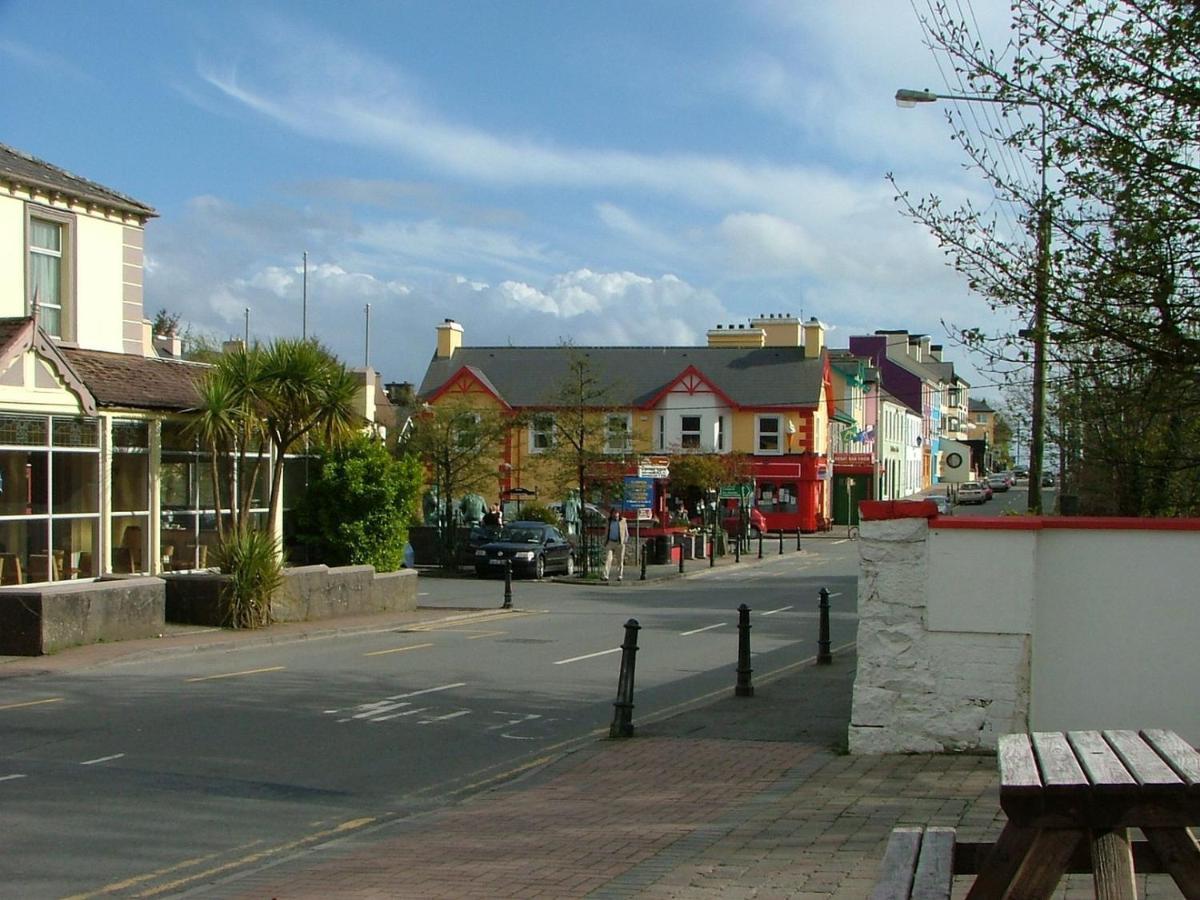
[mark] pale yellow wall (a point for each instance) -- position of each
(12, 253)
(98, 280)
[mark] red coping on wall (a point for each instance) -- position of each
(883, 510)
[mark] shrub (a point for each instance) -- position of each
(359, 504)
(252, 560)
(536, 512)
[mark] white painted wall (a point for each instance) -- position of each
(705, 404)
(99, 261)
(12, 257)
(967, 633)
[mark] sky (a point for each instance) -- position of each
(603, 172)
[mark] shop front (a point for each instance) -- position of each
(853, 482)
(793, 492)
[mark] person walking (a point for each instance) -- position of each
(615, 539)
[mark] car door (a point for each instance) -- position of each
(556, 551)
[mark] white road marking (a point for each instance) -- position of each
(100, 759)
(771, 612)
(453, 715)
(563, 662)
(432, 690)
(521, 719)
(407, 712)
(836, 594)
(842, 541)
(370, 710)
(398, 649)
(12, 777)
(705, 628)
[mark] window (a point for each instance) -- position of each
(49, 279)
(981, 418)
(662, 432)
(769, 435)
(955, 397)
(617, 434)
(720, 432)
(689, 432)
(541, 433)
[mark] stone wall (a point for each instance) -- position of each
(917, 689)
(38, 620)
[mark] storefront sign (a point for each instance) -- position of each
(854, 459)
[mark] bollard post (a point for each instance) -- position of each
(737, 548)
(744, 688)
(681, 556)
(781, 542)
(760, 535)
(824, 657)
(507, 584)
(643, 551)
(712, 551)
(797, 540)
(622, 723)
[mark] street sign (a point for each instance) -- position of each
(742, 492)
(651, 470)
(639, 494)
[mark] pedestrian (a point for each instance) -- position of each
(614, 542)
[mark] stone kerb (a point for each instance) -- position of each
(34, 621)
(918, 690)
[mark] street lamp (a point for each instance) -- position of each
(906, 99)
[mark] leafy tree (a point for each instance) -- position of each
(359, 504)
(456, 442)
(1114, 87)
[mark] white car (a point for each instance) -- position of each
(971, 492)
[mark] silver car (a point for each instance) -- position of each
(971, 492)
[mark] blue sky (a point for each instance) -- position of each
(604, 172)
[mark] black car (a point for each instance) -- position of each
(534, 548)
(1047, 480)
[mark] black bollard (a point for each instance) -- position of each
(712, 551)
(744, 688)
(797, 540)
(622, 723)
(737, 549)
(507, 584)
(781, 542)
(824, 657)
(681, 555)
(643, 551)
(760, 535)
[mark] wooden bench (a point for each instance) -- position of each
(918, 863)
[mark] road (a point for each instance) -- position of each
(148, 778)
(1014, 501)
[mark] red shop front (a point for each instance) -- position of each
(793, 492)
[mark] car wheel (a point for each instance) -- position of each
(539, 567)
(570, 564)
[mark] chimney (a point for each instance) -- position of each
(400, 393)
(449, 338)
(168, 345)
(814, 338)
(935, 350)
(234, 346)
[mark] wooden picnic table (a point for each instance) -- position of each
(1067, 793)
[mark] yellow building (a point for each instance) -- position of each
(763, 391)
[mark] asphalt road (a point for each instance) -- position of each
(149, 778)
(1011, 502)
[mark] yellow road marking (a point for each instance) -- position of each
(138, 879)
(33, 703)
(236, 674)
(398, 649)
(476, 637)
(252, 858)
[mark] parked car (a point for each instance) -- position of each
(986, 488)
(998, 482)
(1048, 480)
(757, 523)
(971, 492)
(534, 548)
(1020, 471)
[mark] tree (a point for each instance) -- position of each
(1114, 82)
(359, 504)
(275, 396)
(456, 441)
(580, 407)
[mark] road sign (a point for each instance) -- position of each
(742, 492)
(651, 470)
(639, 494)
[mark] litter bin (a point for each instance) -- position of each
(660, 550)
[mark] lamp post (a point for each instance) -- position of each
(906, 98)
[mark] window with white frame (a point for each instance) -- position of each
(955, 397)
(720, 443)
(689, 432)
(662, 432)
(541, 433)
(49, 281)
(768, 434)
(617, 433)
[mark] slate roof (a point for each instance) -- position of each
(19, 167)
(137, 382)
(978, 404)
(750, 377)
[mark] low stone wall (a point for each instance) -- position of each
(34, 621)
(308, 593)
